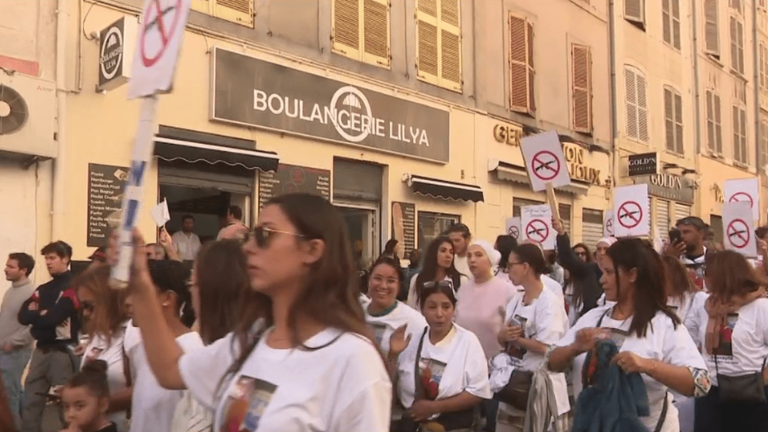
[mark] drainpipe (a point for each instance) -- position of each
(59, 164)
(697, 105)
(756, 89)
(614, 92)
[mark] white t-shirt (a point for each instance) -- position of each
(681, 306)
(662, 342)
(695, 316)
(748, 346)
(456, 364)
(553, 286)
(343, 386)
(384, 326)
(462, 266)
(364, 300)
(112, 353)
(152, 406)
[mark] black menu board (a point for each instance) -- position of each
(292, 178)
(106, 184)
(404, 225)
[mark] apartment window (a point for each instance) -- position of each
(438, 51)
(581, 87)
(670, 14)
(634, 11)
(714, 123)
(763, 142)
(737, 5)
(521, 71)
(673, 120)
(237, 11)
(361, 30)
(737, 45)
(636, 104)
(763, 61)
(740, 134)
(711, 28)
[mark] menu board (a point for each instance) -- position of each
(106, 184)
(292, 178)
(404, 225)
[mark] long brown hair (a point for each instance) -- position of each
(678, 280)
(222, 282)
(428, 271)
(330, 295)
(650, 295)
(109, 312)
(729, 274)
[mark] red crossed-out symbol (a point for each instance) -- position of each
(738, 233)
(609, 226)
(742, 197)
(546, 165)
(154, 17)
(537, 230)
(514, 232)
(630, 214)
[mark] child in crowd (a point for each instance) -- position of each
(85, 400)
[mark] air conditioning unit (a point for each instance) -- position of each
(27, 116)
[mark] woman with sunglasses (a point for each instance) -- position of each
(438, 266)
(440, 371)
(385, 313)
(534, 320)
(649, 336)
(105, 313)
(298, 358)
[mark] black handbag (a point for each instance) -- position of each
(516, 391)
(745, 388)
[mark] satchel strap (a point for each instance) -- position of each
(418, 387)
(663, 415)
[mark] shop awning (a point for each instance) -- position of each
(517, 174)
(443, 189)
(169, 149)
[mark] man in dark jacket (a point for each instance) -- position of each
(52, 313)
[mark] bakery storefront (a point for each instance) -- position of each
(672, 198)
(581, 204)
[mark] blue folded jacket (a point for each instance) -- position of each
(613, 401)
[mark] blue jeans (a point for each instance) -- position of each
(12, 365)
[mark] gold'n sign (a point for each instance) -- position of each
(575, 157)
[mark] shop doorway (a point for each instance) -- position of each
(361, 220)
(207, 205)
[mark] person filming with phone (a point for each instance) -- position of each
(686, 241)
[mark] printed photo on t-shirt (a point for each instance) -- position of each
(696, 273)
(725, 348)
(248, 400)
(431, 373)
(618, 336)
(378, 331)
(513, 350)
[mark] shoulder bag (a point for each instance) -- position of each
(744, 388)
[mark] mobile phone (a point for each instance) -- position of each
(675, 236)
(514, 322)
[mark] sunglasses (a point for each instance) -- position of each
(263, 235)
(442, 284)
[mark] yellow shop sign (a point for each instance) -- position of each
(575, 156)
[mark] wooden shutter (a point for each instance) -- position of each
(676, 24)
(736, 134)
(642, 109)
(520, 65)
(669, 119)
(376, 32)
(239, 11)
(718, 124)
(679, 144)
(345, 31)
(581, 88)
(666, 18)
(427, 53)
(450, 44)
(711, 28)
(710, 121)
(634, 10)
(630, 98)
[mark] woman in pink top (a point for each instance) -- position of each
(481, 300)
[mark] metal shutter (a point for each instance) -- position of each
(565, 215)
(681, 211)
(591, 227)
(662, 221)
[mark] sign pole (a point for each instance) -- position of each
(143, 148)
(552, 200)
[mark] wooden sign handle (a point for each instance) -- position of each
(552, 200)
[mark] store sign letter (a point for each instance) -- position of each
(575, 158)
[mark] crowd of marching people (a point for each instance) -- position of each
(273, 330)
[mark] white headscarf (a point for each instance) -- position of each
(608, 240)
(493, 255)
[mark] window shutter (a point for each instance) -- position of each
(764, 142)
(679, 144)
(736, 4)
(376, 32)
(710, 121)
(740, 45)
(743, 142)
(531, 70)
(642, 109)
(427, 54)
(634, 11)
(582, 88)
(669, 120)
(631, 102)
(711, 34)
(666, 21)
(565, 215)
(450, 35)
(239, 11)
(736, 135)
(346, 27)
(718, 124)
(734, 49)
(676, 23)
(518, 65)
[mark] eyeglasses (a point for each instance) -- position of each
(263, 235)
(88, 306)
(515, 263)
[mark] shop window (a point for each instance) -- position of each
(361, 30)
(438, 49)
(716, 225)
(431, 225)
(237, 11)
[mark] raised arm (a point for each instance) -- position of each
(568, 258)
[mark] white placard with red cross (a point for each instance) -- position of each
(631, 211)
(157, 48)
(545, 161)
(608, 224)
(739, 229)
(744, 190)
(536, 225)
(512, 227)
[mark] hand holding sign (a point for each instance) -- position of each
(545, 161)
